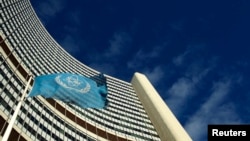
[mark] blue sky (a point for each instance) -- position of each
(195, 53)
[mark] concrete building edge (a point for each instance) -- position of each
(166, 124)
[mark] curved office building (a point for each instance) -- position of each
(135, 110)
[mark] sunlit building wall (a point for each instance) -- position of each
(28, 49)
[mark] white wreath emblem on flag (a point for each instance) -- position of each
(72, 82)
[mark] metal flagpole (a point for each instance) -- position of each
(13, 118)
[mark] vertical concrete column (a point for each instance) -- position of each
(164, 121)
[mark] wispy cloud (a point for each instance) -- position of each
(75, 17)
(191, 53)
(106, 68)
(177, 25)
(178, 61)
(118, 44)
(155, 75)
(186, 85)
(142, 56)
(208, 96)
(181, 89)
(178, 94)
(213, 111)
(49, 9)
(70, 44)
(142, 61)
(109, 60)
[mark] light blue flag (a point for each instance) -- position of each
(71, 88)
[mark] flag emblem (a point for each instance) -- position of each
(71, 88)
(72, 82)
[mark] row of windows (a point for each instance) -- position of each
(30, 55)
(14, 8)
(124, 94)
(42, 125)
(47, 112)
(8, 89)
(35, 47)
(116, 90)
(42, 58)
(17, 17)
(10, 2)
(122, 85)
(50, 121)
(5, 101)
(132, 127)
(125, 108)
(119, 126)
(120, 98)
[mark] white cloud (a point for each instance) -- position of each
(185, 87)
(215, 109)
(75, 17)
(49, 9)
(71, 44)
(195, 70)
(182, 88)
(117, 44)
(220, 89)
(179, 60)
(141, 56)
(103, 62)
(178, 93)
(212, 111)
(117, 47)
(155, 75)
(104, 68)
(192, 52)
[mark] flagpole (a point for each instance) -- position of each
(13, 118)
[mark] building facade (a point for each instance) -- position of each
(135, 110)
